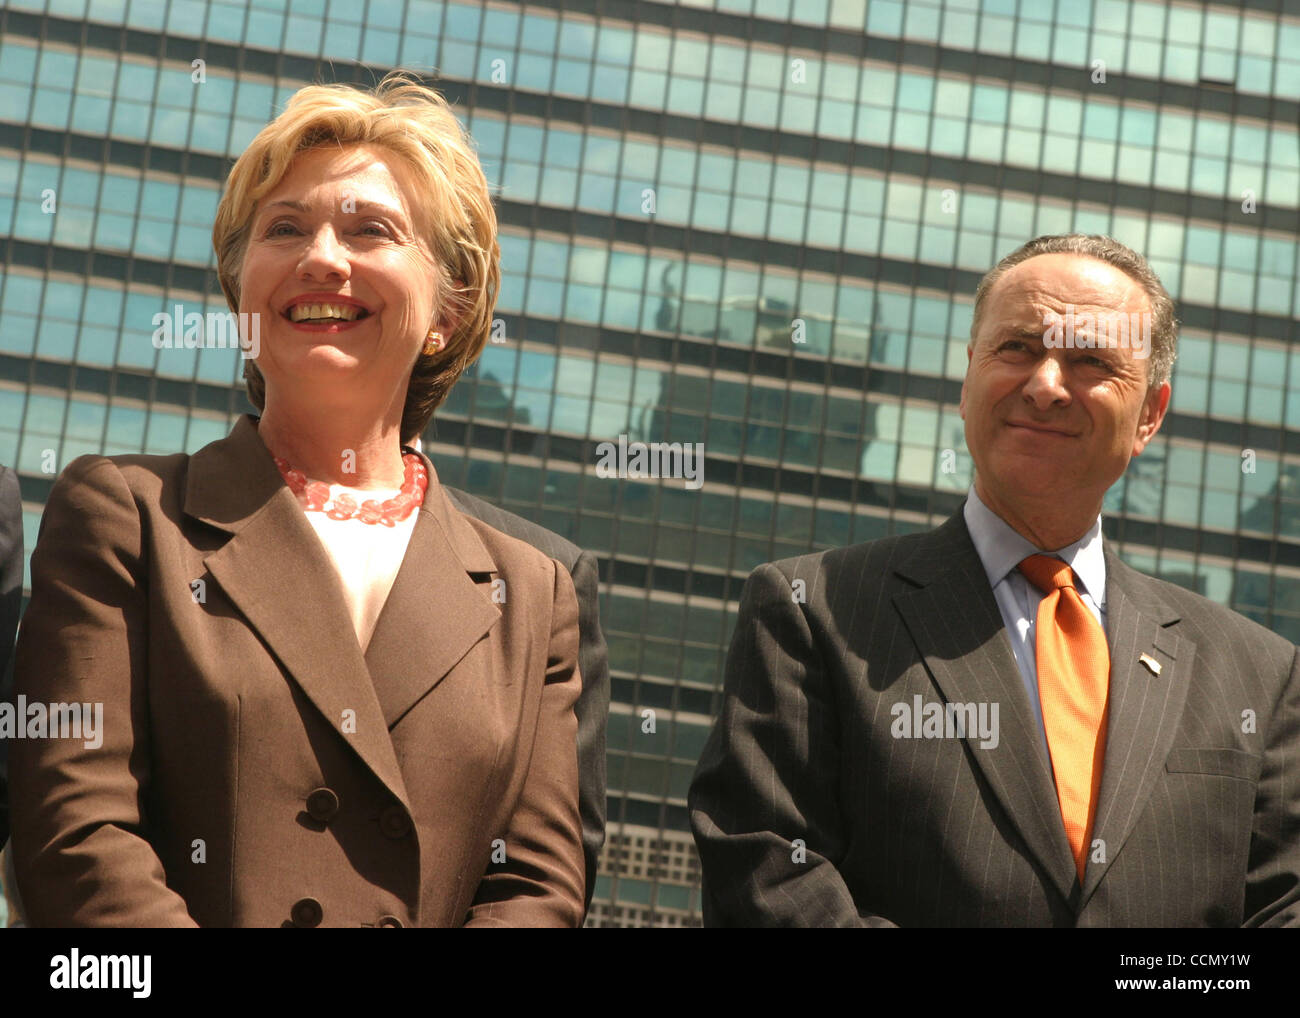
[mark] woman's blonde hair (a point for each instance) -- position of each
(453, 211)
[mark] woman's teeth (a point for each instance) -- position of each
(325, 312)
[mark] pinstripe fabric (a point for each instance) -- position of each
(592, 707)
(1198, 817)
(11, 598)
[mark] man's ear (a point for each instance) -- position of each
(961, 407)
(1154, 407)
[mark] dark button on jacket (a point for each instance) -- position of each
(394, 822)
(307, 913)
(322, 804)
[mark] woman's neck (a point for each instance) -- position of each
(336, 449)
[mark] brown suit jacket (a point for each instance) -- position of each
(256, 768)
(592, 707)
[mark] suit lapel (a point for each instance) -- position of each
(276, 572)
(1145, 708)
(958, 630)
(436, 610)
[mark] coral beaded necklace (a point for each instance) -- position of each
(313, 496)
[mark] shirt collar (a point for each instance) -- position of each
(1001, 549)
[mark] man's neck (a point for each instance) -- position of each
(1045, 524)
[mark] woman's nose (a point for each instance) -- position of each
(324, 255)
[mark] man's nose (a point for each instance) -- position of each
(1046, 383)
(324, 255)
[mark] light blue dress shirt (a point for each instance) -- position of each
(1001, 549)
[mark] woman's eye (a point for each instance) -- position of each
(284, 228)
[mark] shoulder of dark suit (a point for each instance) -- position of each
(546, 541)
(877, 554)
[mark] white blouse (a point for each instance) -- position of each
(366, 556)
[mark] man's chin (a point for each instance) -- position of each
(1035, 478)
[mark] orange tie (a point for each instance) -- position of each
(1073, 683)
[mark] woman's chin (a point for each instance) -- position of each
(323, 373)
(322, 358)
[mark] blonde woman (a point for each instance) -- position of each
(329, 697)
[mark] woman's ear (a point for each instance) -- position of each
(447, 317)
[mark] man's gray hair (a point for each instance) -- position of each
(1164, 326)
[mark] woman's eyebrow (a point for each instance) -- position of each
(357, 207)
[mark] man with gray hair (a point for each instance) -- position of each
(998, 722)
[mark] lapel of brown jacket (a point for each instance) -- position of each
(955, 622)
(276, 572)
(1144, 711)
(439, 607)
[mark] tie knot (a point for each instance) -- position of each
(1047, 573)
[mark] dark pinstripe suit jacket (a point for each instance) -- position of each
(11, 599)
(592, 707)
(809, 812)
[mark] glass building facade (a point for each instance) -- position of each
(753, 224)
